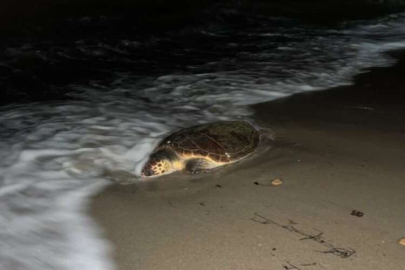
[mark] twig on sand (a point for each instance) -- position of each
(340, 252)
(316, 238)
(290, 266)
(292, 222)
(308, 264)
(171, 204)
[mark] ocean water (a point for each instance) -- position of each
(115, 93)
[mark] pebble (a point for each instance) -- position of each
(277, 182)
(402, 241)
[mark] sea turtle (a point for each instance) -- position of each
(200, 148)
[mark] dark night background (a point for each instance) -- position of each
(22, 13)
(29, 78)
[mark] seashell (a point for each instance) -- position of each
(276, 182)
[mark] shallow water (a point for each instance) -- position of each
(119, 92)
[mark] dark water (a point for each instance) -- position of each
(88, 95)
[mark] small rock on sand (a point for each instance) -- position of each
(402, 241)
(276, 182)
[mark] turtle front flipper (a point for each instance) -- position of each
(199, 165)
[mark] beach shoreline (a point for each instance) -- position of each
(340, 155)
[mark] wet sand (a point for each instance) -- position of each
(340, 154)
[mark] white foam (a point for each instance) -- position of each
(43, 223)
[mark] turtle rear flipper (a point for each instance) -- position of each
(199, 165)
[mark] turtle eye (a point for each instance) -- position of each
(148, 172)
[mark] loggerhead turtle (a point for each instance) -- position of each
(203, 147)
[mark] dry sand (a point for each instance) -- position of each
(341, 157)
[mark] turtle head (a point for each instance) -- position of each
(157, 166)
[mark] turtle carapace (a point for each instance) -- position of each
(203, 147)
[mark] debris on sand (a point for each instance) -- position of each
(276, 182)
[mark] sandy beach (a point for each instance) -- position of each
(340, 154)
